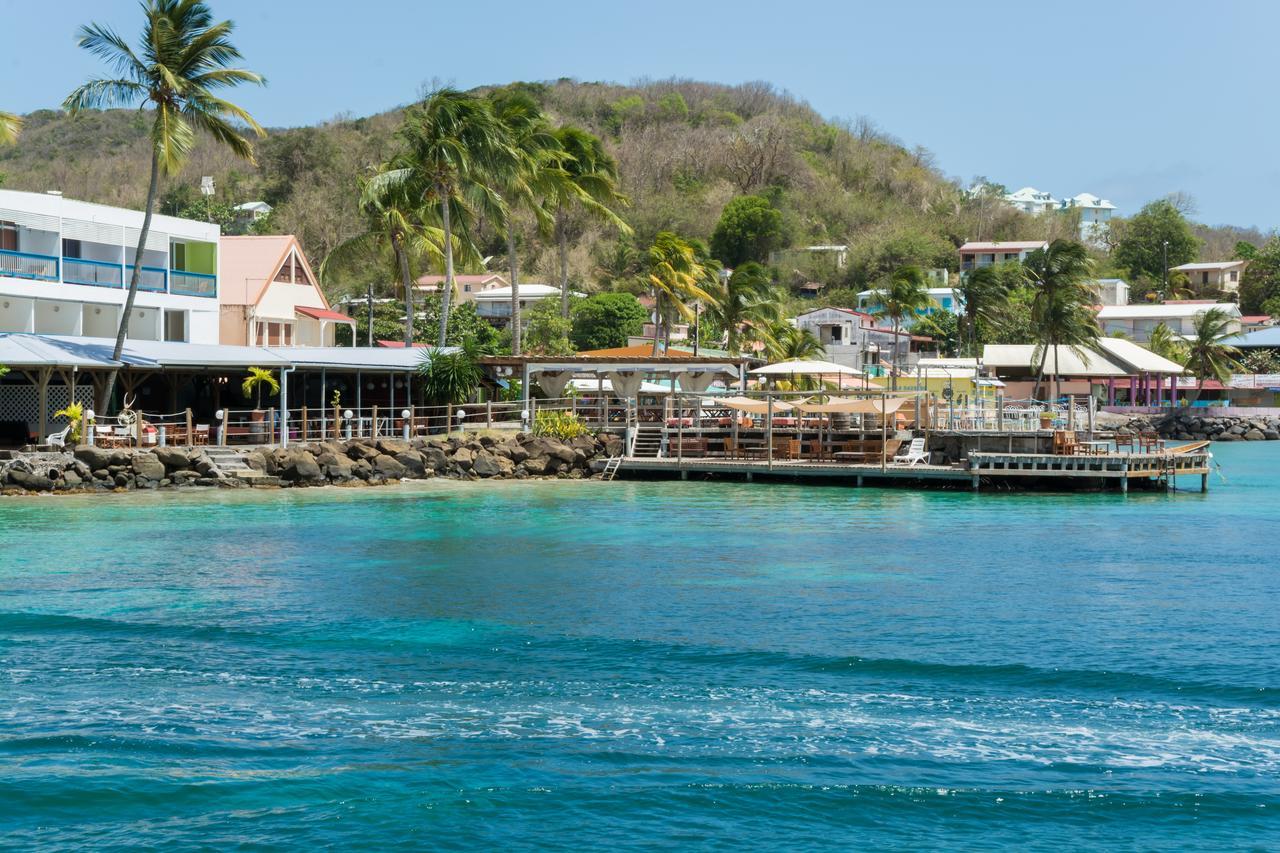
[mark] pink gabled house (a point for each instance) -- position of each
(268, 296)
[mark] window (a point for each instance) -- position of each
(836, 333)
(178, 259)
(285, 273)
(288, 334)
(175, 326)
(1204, 277)
(71, 249)
(1235, 275)
(260, 333)
(8, 237)
(273, 334)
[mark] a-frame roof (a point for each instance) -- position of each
(248, 266)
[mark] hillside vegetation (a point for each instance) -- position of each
(684, 150)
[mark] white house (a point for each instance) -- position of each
(983, 254)
(944, 298)
(252, 211)
(466, 286)
(1095, 215)
(65, 267)
(1032, 200)
(494, 304)
(853, 339)
(1112, 291)
(1137, 321)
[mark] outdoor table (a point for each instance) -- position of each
(1096, 448)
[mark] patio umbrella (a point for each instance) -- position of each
(806, 367)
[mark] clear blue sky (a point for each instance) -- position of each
(1129, 100)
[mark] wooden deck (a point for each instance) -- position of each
(1120, 468)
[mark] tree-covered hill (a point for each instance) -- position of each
(684, 149)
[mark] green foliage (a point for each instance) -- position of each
(450, 376)
(606, 320)
(1140, 246)
(10, 127)
(673, 107)
(1062, 304)
(185, 201)
(388, 324)
(1261, 361)
(561, 425)
(982, 292)
(1260, 284)
(943, 327)
(1165, 343)
(744, 306)
(258, 379)
(1207, 356)
(75, 414)
(547, 333)
(748, 230)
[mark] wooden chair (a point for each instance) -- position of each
(1149, 442)
(1124, 440)
(1064, 442)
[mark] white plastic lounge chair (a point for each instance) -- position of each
(915, 454)
(59, 438)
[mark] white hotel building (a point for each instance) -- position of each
(65, 267)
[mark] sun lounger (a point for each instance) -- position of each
(915, 454)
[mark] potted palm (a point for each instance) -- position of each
(252, 387)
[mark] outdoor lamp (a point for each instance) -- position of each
(220, 415)
(89, 413)
(525, 414)
(404, 413)
(347, 414)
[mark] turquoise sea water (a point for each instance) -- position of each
(526, 666)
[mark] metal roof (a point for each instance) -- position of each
(1176, 309)
(1268, 337)
(1138, 358)
(20, 350)
(1023, 356)
(404, 359)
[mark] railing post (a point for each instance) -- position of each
(191, 438)
(303, 432)
(448, 418)
(271, 425)
(488, 414)
(373, 423)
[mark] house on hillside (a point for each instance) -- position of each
(1136, 322)
(1223, 276)
(974, 255)
(1112, 291)
(1033, 201)
(494, 303)
(944, 299)
(252, 211)
(467, 286)
(270, 296)
(1095, 215)
(854, 339)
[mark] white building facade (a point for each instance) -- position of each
(1095, 211)
(853, 339)
(65, 267)
(1136, 322)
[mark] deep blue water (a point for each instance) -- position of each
(643, 665)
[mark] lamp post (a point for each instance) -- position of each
(1164, 255)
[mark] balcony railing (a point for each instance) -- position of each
(153, 279)
(27, 265)
(186, 283)
(95, 273)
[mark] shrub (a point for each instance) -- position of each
(561, 425)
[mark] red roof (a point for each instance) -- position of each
(323, 314)
(397, 344)
(1256, 318)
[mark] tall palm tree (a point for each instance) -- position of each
(592, 186)
(393, 225)
(904, 295)
(982, 292)
(10, 126)
(536, 173)
(744, 303)
(455, 143)
(1208, 357)
(182, 62)
(677, 277)
(791, 343)
(1062, 305)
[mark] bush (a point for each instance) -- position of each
(606, 320)
(561, 425)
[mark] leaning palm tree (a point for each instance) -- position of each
(677, 276)
(454, 144)
(182, 61)
(393, 226)
(10, 126)
(983, 292)
(905, 295)
(1062, 305)
(1208, 356)
(791, 343)
(1166, 344)
(592, 186)
(536, 173)
(744, 303)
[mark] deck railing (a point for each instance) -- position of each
(93, 273)
(186, 283)
(28, 265)
(152, 279)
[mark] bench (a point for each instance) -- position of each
(868, 450)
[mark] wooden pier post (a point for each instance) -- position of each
(1204, 483)
(768, 429)
(191, 438)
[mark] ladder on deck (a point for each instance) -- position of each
(611, 468)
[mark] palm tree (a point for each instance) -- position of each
(983, 292)
(182, 61)
(257, 379)
(10, 126)
(393, 223)
(1208, 357)
(906, 294)
(791, 343)
(1164, 343)
(525, 182)
(676, 276)
(592, 185)
(1062, 306)
(744, 302)
(455, 143)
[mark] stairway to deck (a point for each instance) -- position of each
(230, 463)
(647, 443)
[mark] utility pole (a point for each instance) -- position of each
(1164, 254)
(369, 302)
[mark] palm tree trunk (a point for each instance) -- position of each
(402, 259)
(657, 321)
(513, 265)
(562, 239)
(134, 279)
(446, 296)
(1044, 354)
(893, 367)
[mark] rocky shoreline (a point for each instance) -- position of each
(358, 462)
(1187, 426)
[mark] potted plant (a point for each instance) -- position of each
(75, 414)
(252, 387)
(1046, 419)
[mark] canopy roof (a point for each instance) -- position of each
(754, 406)
(806, 368)
(853, 406)
(323, 314)
(1139, 358)
(1058, 361)
(35, 351)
